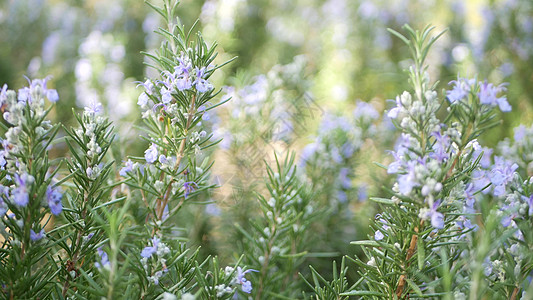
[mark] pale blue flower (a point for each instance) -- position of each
(189, 187)
(460, 90)
(36, 236)
(53, 195)
(395, 111)
(245, 284)
(488, 95)
(485, 161)
(127, 168)
(52, 95)
(212, 209)
(143, 99)
(104, 259)
(148, 251)
(24, 95)
(341, 196)
(20, 192)
(184, 66)
(378, 236)
(151, 154)
(437, 218)
(183, 83)
(163, 159)
(501, 174)
(441, 147)
(470, 197)
(202, 85)
(94, 108)
(166, 95)
(407, 182)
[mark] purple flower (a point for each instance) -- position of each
(148, 86)
(166, 95)
(206, 115)
(501, 174)
(488, 95)
(151, 154)
(36, 236)
(202, 85)
(52, 95)
(143, 99)
(469, 197)
(408, 181)
(94, 108)
(184, 67)
(53, 195)
(163, 159)
(148, 251)
(442, 143)
(485, 161)
(437, 218)
(189, 187)
(378, 236)
(480, 180)
(183, 83)
(394, 112)
(460, 89)
(24, 95)
(506, 221)
(20, 193)
(246, 285)
(127, 168)
(26, 92)
(104, 260)
(488, 266)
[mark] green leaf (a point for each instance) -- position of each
(421, 251)
(364, 293)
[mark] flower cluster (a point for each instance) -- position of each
(157, 252)
(417, 162)
(184, 79)
(28, 188)
(21, 111)
(238, 280)
(441, 174)
(486, 92)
